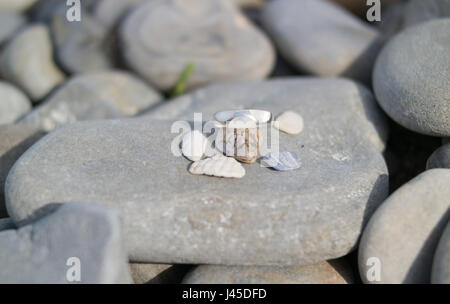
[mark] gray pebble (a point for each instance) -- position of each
(404, 231)
(81, 234)
(440, 273)
(93, 96)
(10, 22)
(320, 38)
(297, 220)
(410, 78)
(13, 103)
(440, 158)
(27, 61)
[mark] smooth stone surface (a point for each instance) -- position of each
(93, 96)
(440, 158)
(16, 5)
(404, 231)
(319, 37)
(14, 141)
(410, 78)
(13, 103)
(157, 273)
(81, 47)
(333, 272)
(418, 11)
(440, 273)
(9, 23)
(27, 62)
(38, 253)
(282, 161)
(111, 12)
(6, 224)
(159, 38)
(173, 217)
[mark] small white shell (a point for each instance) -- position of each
(289, 122)
(219, 165)
(193, 145)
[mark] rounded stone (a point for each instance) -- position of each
(400, 238)
(410, 78)
(159, 38)
(440, 273)
(300, 218)
(319, 37)
(93, 96)
(332, 272)
(440, 158)
(81, 47)
(13, 103)
(10, 22)
(27, 61)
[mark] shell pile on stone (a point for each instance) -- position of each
(218, 165)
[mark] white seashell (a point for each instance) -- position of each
(193, 145)
(219, 165)
(289, 122)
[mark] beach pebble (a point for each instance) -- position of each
(300, 218)
(82, 47)
(143, 273)
(194, 145)
(404, 231)
(14, 141)
(13, 103)
(318, 37)
(159, 38)
(83, 234)
(289, 122)
(16, 5)
(282, 161)
(410, 78)
(440, 158)
(10, 22)
(110, 12)
(440, 273)
(92, 96)
(331, 272)
(27, 61)
(218, 165)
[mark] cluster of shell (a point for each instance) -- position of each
(238, 140)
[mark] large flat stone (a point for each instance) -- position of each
(320, 38)
(159, 38)
(300, 217)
